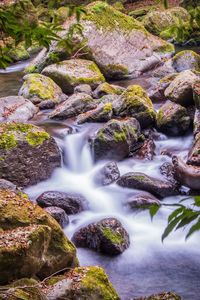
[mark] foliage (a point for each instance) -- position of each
(25, 22)
(183, 216)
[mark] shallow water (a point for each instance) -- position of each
(148, 266)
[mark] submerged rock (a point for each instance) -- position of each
(41, 90)
(51, 252)
(81, 283)
(134, 102)
(106, 236)
(107, 174)
(27, 150)
(116, 139)
(16, 108)
(71, 203)
(73, 106)
(180, 89)
(70, 73)
(172, 119)
(141, 181)
(59, 215)
(187, 175)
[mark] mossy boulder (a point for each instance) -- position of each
(180, 89)
(173, 119)
(81, 283)
(141, 181)
(107, 89)
(23, 289)
(159, 21)
(22, 251)
(70, 73)
(17, 211)
(134, 102)
(16, 108)
(106, 236)
(119, 44)
(103, 113)
(186, 60)
(76, 104)
(19, 52)
(41, 90)
(116, 139)
(27, 150)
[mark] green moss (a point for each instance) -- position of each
(116, 69)
(119, 136)
(7, 141)
(113, 236)
(107, 107)
(36, 138)
(159, 117)
(166, 48)
(30, 69)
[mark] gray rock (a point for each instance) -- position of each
(103, 113)
(16, 108)
(59, 215)
(143, 200)
(83, 88)
(107, 89)
(186, 60)
(107, 174)
(7, 185)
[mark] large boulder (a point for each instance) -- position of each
(41, 90)
(81, 283)
(186, 60)
(27, 150)
(119, 44)
(173, 119)
(116, 139)
(106, 236)
(180, 89)
(134, 102)
(16, 108)
(71, 203)
(52, 252)
(70, 73)
(159, 21)
(76, 104)
(141, 181)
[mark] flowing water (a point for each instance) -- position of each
(148, 266)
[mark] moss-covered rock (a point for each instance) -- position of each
(107, 89)
(159, 21)
(70, 73)
(134, 102)
(76, 104)
(106, 236)
(41, 90)
(16, 108)
(116, 139)
(180, 89)
(82, 283)
(17, 211)
(103, 113)
(186, 60)
(27, 150)
(173, 119)
(19, 52)
(22, 289)
(141, 201)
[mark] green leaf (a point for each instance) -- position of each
(194, 228)
(153, 210)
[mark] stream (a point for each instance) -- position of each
(148, 266)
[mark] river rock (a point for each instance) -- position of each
(141, 181)
(119, 44)
(41, 90)
(59, 215)
(187, 175)
(194, 153)
(73, 106)
(5, 184)
(83, 88)
(18, 292)
(180, 89)
(70, 73)
(16, 108)
(196, 124)
(143, 200)
(134, 102)
(186, 60)
(159, 21)
(106, 236)
(116, 139)
(147, 150)
(161, 296)
(103, 113)
(107, 89)
(172, 119)
(107, 174)
(52, 252)
(168, 171)
(81, 283)
(27, 150)
(71, 203)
